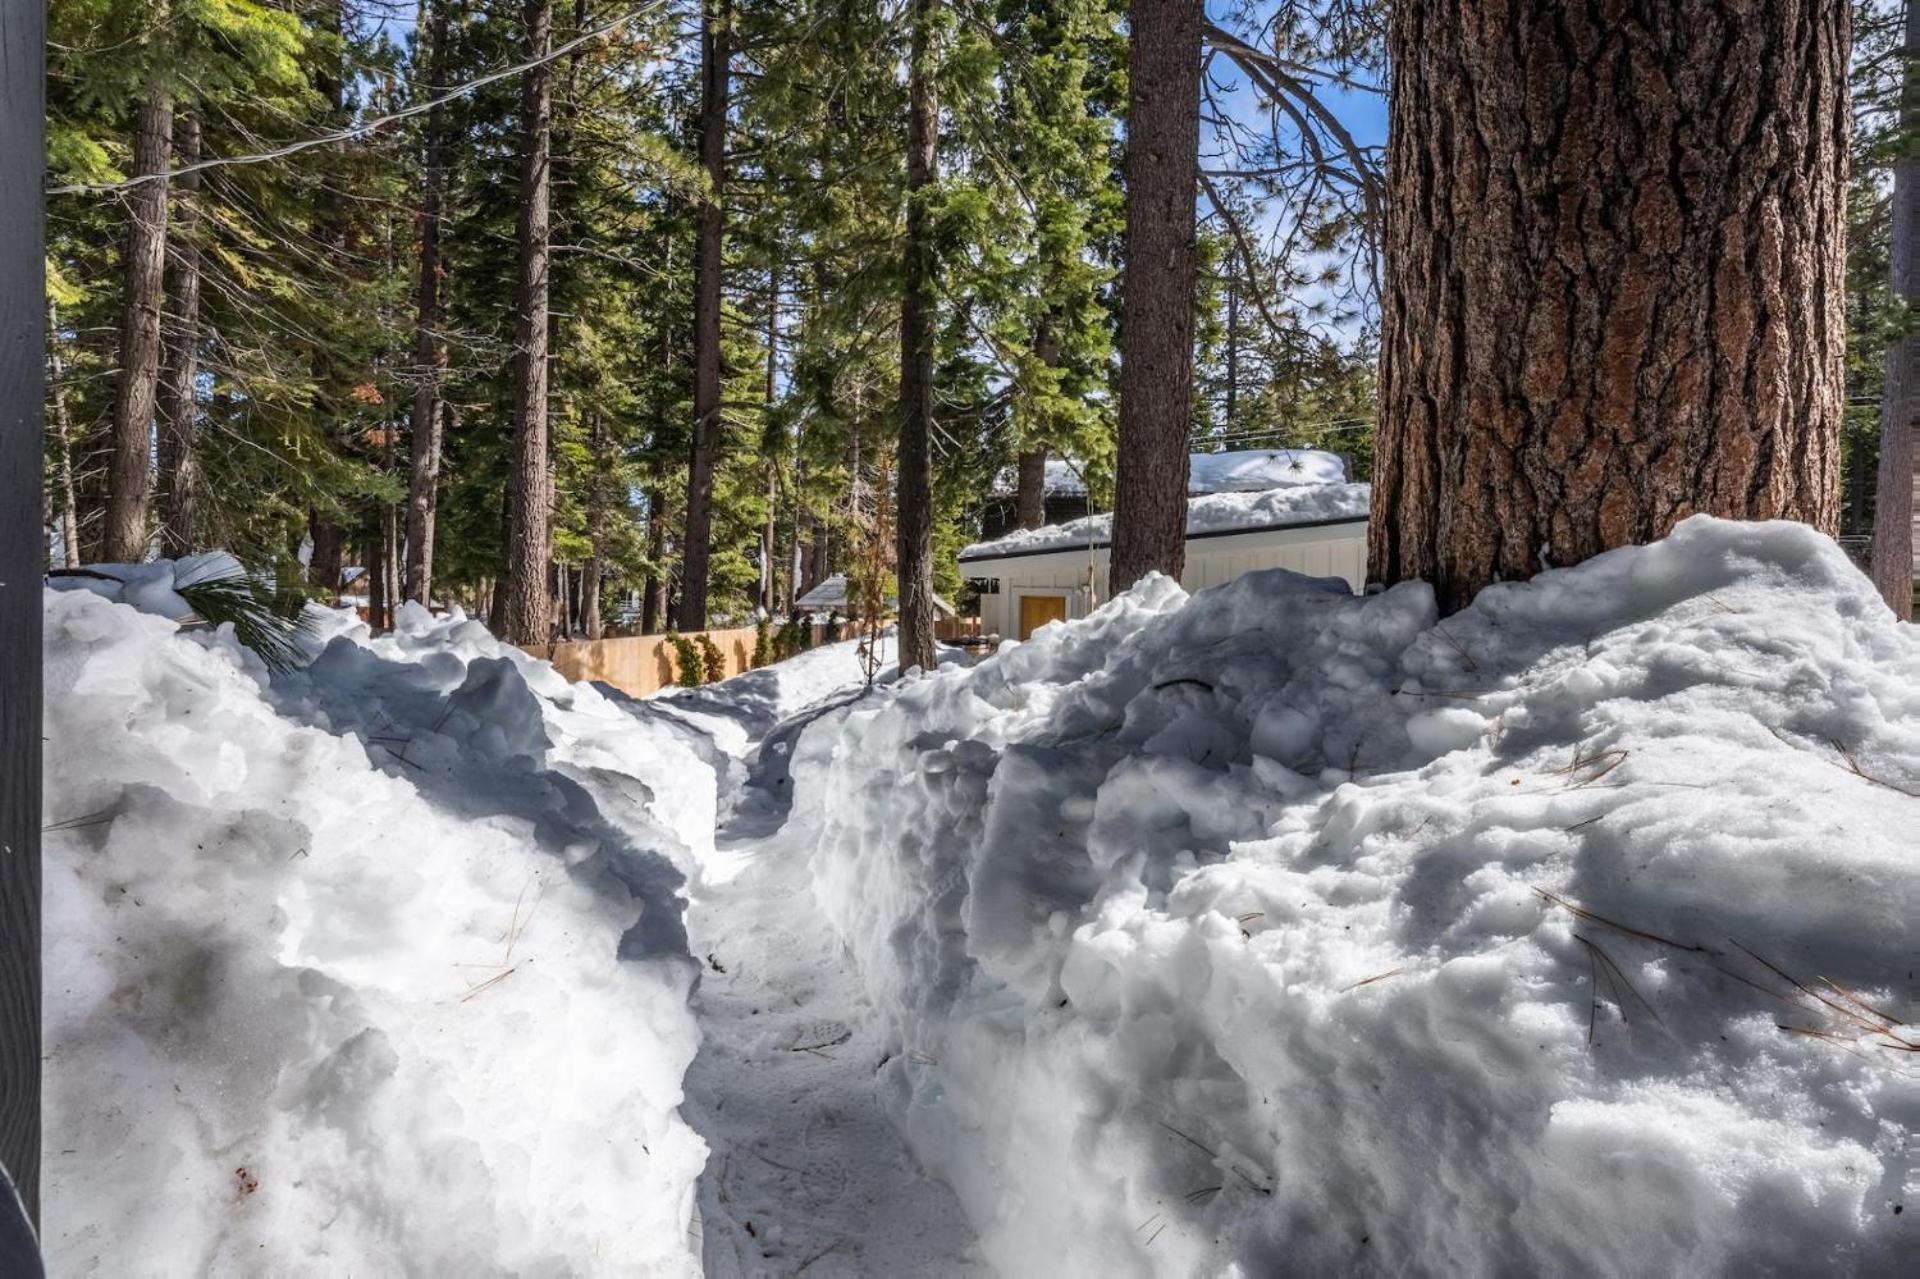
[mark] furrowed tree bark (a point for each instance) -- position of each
(130, 477)
(1896, 531)
(914, 564)
(1615, 248)
(529, 612)
(710, 243)
(23, 352)
(179, 404)
(429, 351)
(1156, 325)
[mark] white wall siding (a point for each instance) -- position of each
(1338, 550)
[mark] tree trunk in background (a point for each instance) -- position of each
(707, 266)
(598, 451)
(374, 559)
(1232, 407)
(915, 514)
(1156, 326)
(429, 351)
(653, 595)
(323, 566)
(1599, 316)
(1896, 531)
(1030, 489)
(62, 426)
(179, 407)
(529, 614)
(769, 582)
(130, 479)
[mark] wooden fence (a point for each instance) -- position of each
(639, 664)
(642, 664)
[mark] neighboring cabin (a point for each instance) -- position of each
(1248, 510)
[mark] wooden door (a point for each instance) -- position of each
(1037, 610)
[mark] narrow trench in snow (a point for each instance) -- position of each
(806, 1174)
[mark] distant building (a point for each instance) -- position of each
(1249, 510)
(831, 597)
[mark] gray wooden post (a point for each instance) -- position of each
(22, 361)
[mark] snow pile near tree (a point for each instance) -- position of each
(1213, 513)
(1296, 932)
(374, 968)
(149, 587)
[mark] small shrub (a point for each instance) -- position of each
(712, 659)
(762, 643)
(686, 660)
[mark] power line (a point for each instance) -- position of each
(365, 126)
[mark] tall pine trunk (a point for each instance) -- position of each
(600, 480)
(914, 567)
(769, 580)
(179, 406)
(653, 593)
(709, 246)
(61, 424)
(1156, 325)
(1030, 488)
(528, 612)
(130, 478)
(1615, 254)
(1896, 531)
(429, 351)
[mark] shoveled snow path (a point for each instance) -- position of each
(806, 1172)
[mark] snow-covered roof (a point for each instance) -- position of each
(1209, 514)
(830, 596)
(1239, 471)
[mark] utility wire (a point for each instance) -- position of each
(365, 126)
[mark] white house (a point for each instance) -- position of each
(1287, 508)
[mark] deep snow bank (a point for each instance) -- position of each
(1294, 931)
(332, 979)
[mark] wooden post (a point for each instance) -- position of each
(22, 421)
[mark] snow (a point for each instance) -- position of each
(1213, 513)
(149, 587)
(375, 967)
(1280, 930)
(1271, 930)
(1250, 470)
(1229, 471)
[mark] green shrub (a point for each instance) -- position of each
(762, 643)
(712, 659)
(686, 660)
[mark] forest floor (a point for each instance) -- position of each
(806, 1174)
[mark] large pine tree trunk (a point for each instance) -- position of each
(179, 405)
(1896, 531)
(429, 351)
(1030, 488)
(529, 612)
(914, 567)
(709, 247)
(1156, 325)
(130, 479)
(1615, 249)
